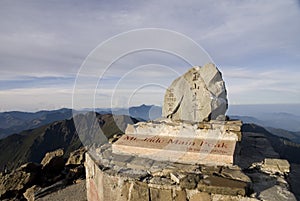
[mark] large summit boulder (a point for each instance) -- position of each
(14, 183)
(197, 95)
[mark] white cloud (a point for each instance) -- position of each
(51, 39)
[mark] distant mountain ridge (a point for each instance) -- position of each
(33, 144)
(142, 112)
(15, 122)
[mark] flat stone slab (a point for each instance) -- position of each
(227, 130)
(177, 149)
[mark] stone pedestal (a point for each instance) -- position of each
(117, 177)
(211, 142)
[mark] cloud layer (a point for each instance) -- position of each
(256, 45)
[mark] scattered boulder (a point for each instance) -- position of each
(53, 163)
(196, 96)
(30, 193)
(75, 173)
(76, 157)
(33, 180)
(16, 182)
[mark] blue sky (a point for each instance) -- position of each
(255, 44)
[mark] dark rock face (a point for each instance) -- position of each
(77, 157)
(16, 182)
(53, 163)
(15, 122)
(32, 145)
(32, 180)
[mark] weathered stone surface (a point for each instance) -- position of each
(140, 163)
(197, 95)
(76, 157)
(177, 177)
(53, 163)
(234, 173)
(136, 174)
(179, 182)
(255, 147)
(215, 184)
(225, 130)
(194, 195)
(75, 173)
(29, 193)
(51, 155)
(121, 160)
(139, 191)
(15, 182)
(161, 181)
(190, 181)
(275, 166)
(160, 195)
(30, 167)
(219, 197)
(179, 195)
(277, 193)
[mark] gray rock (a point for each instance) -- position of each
(51, 155)
(219, 185)
(77, 157)
(276, 193)
(274, 166)
(53, 163)
(197, 95)
(15, 182)
(140, 163)
(29, 193)
(235, 174)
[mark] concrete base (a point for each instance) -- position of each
(127, 178)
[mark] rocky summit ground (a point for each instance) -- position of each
(75, 192)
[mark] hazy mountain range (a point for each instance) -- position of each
(33, 143)
(285, 123)
(15, 121)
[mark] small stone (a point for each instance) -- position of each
(194, 195)
(177, 177)
(235, 174)
(190, 181)
(29, 193)
(276, 166)
(161, 181)
(209, 170)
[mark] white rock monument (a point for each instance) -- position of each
(193, 129)
(197, 95)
